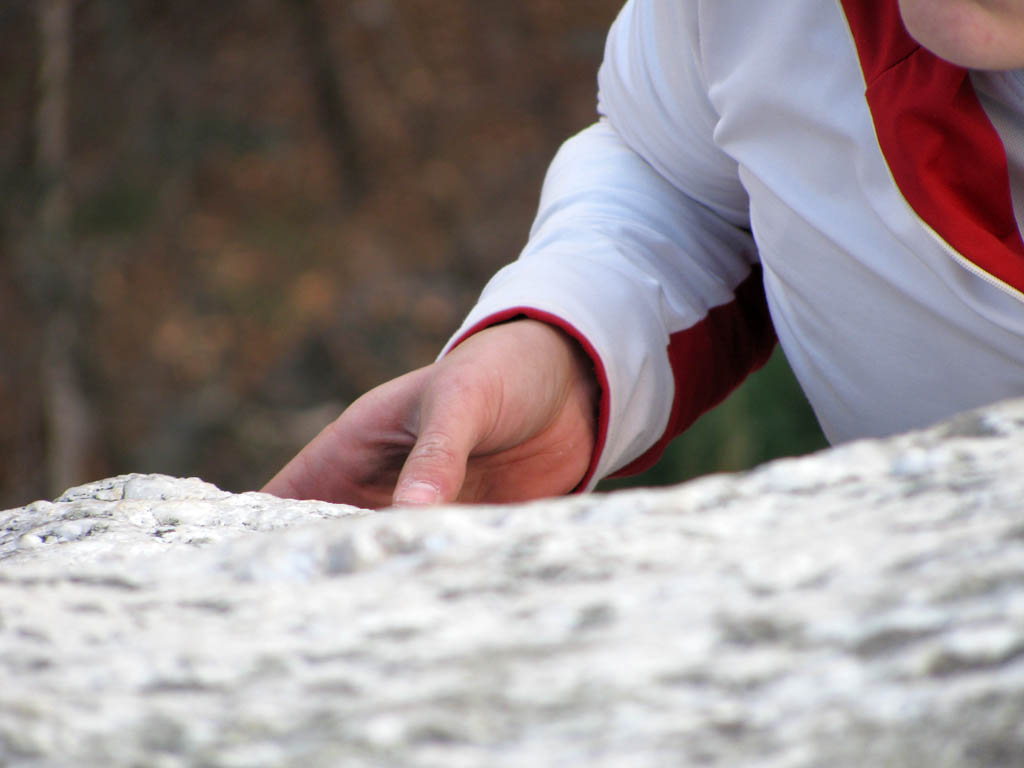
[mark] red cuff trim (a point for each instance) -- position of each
(604, 403)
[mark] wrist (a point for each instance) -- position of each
(588, 383)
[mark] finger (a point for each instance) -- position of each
(435, 470)
(433, 473)
(310, 474)
(282, 484)
(356, 458)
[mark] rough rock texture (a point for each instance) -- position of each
(861, 607)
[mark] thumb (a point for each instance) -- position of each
(435, 469)
(433, 472)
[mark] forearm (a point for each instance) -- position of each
(641, 248)
(620, 260)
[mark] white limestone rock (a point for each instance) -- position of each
(860, 607)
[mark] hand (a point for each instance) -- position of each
(508, 415)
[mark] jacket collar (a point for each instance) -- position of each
(943, 152)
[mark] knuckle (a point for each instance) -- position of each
(435, 449)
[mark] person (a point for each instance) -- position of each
(846, 177)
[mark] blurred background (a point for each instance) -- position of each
(221, 222)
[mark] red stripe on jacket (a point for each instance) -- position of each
(708, 361)
(944, 153)
(711, 358)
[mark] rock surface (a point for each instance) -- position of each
(860, 607)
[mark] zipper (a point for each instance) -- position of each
(969, 265)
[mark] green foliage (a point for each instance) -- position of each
(767, 417)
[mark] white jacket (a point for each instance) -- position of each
(740, 163)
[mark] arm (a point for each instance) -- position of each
(640, 248)
(642, 275)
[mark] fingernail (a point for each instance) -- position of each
(418, 493)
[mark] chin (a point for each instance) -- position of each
(967, 33)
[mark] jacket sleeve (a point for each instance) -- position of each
(640, 249)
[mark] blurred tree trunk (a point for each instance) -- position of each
(332, 108)
(68, 417)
